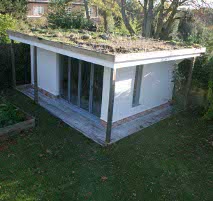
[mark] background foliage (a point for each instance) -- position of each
(16, 8)
(22, 59)
(6, 22)
(59, 17)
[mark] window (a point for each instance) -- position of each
(137, 86)
(90, 11)
(38, 10)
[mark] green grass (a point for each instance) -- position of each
(171, 160)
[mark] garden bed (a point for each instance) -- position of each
(13, 120)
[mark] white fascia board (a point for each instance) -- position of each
(154, 60)
(127, 60)
(78, 55)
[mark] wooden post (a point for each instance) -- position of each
(91, 88)
(189, 82)
(110, 105)
(25, 74)
(79, 83)
(69, 79)
(35, 74)
(13, 65)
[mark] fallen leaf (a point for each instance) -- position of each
(48, 151)
(104, 178)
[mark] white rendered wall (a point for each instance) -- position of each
(156, 89)
(48, 71)
(105, 93)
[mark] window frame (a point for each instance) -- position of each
(38, 10)
(137, 85)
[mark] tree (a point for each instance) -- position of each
(108, 9)
(148, 18)
(125, 19)
(16, 8)
(6, 22)
(159, 16)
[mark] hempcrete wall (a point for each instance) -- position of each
(48, 71)
(156, 89)
(156, 85)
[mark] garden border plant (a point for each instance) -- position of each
(13, 120)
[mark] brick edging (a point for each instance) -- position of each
(44, 92)
(135, 116)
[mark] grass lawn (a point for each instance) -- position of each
(171, 160)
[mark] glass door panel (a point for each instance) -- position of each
(85, 85)
(74, 81)
(82, 84)
(97, 90)
(64, 76)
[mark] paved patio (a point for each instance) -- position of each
(90, 125)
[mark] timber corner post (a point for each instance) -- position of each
(13, 64)
(110, 105)
(189, 82)
(35, 72)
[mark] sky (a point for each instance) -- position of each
(196, 2)
(203, 3)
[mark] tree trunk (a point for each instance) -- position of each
(148, 18)
(125, 19)
(165, 29)
(160, 20)
(105, 22)
(105, 19)
(144, 18)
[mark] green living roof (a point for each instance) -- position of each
(105, 43)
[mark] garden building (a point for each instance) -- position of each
(105, 91)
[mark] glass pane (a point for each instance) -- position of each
(64, 79)
(74, 81)
(97, 89)
(85, 84)
(137, 86)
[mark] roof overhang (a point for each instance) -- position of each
(107, 60)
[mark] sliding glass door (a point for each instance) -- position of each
(82, 84)
(74, 81)
(85, 85)
(64, 77)
(97, 90)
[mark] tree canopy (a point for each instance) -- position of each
(16, 8)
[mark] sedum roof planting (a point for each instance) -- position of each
(105, 43)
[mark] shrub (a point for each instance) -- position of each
(6, 22)
(59, 17)
(38, 23)
(68, 21)
(209, 113)
(9, 115)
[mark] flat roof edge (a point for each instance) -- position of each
(107, 60)
(33, 40)
(131, 57)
